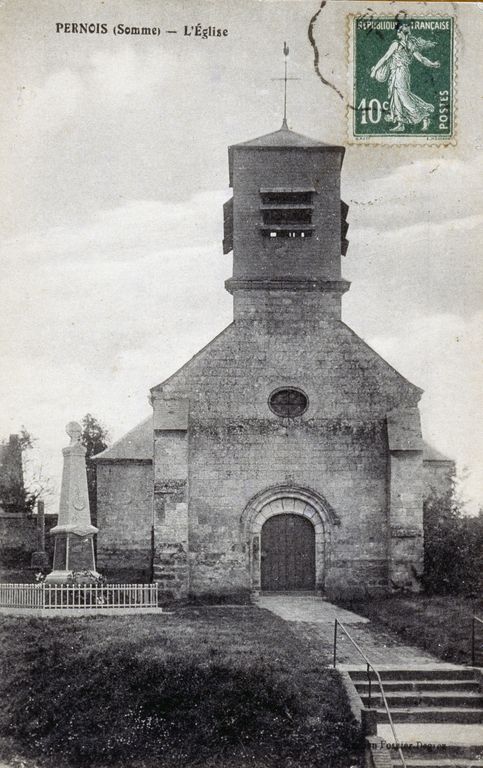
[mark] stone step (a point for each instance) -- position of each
(469, 752)
(458, 715)
(436, 762)
(419, 685)
(461, 739)
(422, 673)
(425, 699)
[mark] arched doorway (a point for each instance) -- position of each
(287, 553)
(288, 501)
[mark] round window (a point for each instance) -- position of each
(288, 402)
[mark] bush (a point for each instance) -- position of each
(453, 548)
(92, 708)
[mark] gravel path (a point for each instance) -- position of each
(313, 618)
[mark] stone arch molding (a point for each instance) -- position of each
(288, 500)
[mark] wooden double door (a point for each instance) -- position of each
(287, 553)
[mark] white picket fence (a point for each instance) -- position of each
(79, 597)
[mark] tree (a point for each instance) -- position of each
(25, 440)
(453, 546)
(13, 496)
(17, 494)
(95, 437)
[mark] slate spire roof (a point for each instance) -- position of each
(284, 137)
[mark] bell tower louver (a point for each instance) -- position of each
(286, 223)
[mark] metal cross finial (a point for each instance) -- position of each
(285, 78)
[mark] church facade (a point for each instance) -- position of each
(287, 454)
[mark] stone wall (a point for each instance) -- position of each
(171, 544)
(272, 306)
(343, 460)
(125, 517)
(237, 447)
(217, 444)
(18, 539)
(170, 486)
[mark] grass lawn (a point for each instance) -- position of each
(215, 687)
(439, 624)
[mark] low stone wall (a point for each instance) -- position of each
(376, 753)
(18, 539)
(124, 516)
(123, 566)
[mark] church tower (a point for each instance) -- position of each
(286, 454)
(286, 224)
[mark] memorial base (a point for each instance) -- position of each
(74, 560)
(73, 577)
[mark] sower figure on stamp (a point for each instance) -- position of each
(405, 107)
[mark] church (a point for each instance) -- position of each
(286, 455)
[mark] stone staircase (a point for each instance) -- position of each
(428, 696)
(452, 757)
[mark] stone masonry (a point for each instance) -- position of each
(192, 488)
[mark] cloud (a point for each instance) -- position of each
(94, 315)
(106, 81)
(134, 227)
(434, 190)
(50, 106)
(93, 292)
(127, 74)
(437, 352)
(106, 289)
(424, 268)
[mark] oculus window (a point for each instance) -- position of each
(288, 403)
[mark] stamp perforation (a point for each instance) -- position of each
(402, 138)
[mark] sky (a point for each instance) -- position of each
(114, 173)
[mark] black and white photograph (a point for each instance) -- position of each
(241, 445)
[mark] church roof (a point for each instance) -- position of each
(284, 137)
(137, 445)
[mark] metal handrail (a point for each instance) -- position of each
(473, 641)
(369, 666)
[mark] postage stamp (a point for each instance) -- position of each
(402, 79)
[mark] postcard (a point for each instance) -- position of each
(241, 280)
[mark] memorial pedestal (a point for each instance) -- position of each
(74, 559)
